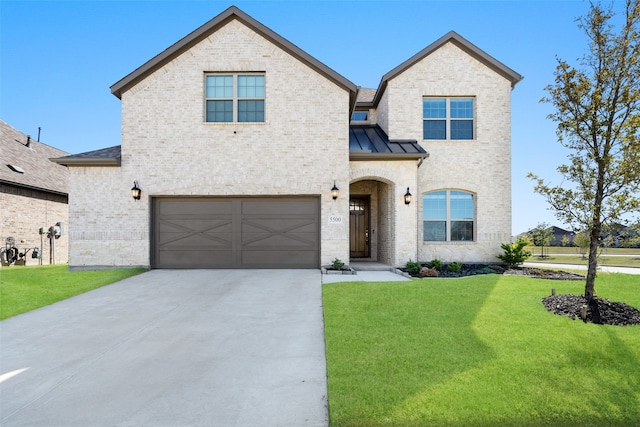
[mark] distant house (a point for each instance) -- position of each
(562, 237)
(33, 195)
(250, 153)
(621, 236)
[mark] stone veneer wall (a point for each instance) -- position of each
(24, 212)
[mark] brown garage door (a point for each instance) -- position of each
(207, 232)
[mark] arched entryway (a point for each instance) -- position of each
(371, 220)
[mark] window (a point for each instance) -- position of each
(447, 118)
(359, 116)
(235, 98)
(448, 215)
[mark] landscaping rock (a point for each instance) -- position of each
(429, 272)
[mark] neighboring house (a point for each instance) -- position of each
(562, 237)
(33, 196)
(237, 138)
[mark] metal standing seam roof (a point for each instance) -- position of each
(370, 142)
(29, 166)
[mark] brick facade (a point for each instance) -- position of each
(25, 211)
(301, 148)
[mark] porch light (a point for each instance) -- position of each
(407, 197)
(334, 191)
(136, 191)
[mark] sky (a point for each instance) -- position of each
(59, 58)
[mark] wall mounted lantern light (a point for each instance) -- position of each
(334, 191)
(136, 191)
(407, 197)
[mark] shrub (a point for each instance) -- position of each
(514, 253)
(337, 264)
(413, 267)
(435, 263)
(455, 267)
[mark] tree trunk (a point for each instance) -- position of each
(592, 266)
(594, 242)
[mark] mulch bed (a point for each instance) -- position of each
(476, 269)
(600, 311)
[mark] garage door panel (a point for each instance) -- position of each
(277, 258)
(254, 240)
(276, 232)
(195, 259)
(202, 225)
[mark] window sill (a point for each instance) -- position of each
(449, 243)
(235, 123)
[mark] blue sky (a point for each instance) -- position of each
(59, 58)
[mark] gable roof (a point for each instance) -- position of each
(211, 27)
(462, 43)
(25, 163)
(104, 157)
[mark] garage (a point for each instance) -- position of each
(235, 232)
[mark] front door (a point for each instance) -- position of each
(359, 227)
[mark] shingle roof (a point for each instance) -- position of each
(103, 157)
(365, 95)
(369, 142)
(25, 162)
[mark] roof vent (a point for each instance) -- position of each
(16, 168)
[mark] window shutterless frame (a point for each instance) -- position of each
(448, 215)
(234, 97)
(448, 118)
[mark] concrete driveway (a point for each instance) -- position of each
(171, 348)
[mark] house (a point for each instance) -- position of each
(34, 200)
(250, 153)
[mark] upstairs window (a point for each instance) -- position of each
(448, 118)
(235, 98)
(448, 215)
(359, 116)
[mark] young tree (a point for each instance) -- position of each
(582, 242)
(597, 113)
(541, 236)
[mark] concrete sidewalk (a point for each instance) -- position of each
(604, 268)
(171, 348)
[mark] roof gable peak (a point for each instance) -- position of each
(210, 27)
(460, 42)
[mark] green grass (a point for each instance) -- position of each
(24, 289)
(479, 351)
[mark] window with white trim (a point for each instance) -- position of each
(448, 118)
(234, 98)
(448, 215)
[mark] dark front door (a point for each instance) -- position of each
(359, 227)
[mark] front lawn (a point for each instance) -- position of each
(478, 351)
(24, 289)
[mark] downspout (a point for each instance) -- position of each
(420, 161)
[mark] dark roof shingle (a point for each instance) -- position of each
(30, 164)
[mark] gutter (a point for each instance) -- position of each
(88, 161)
